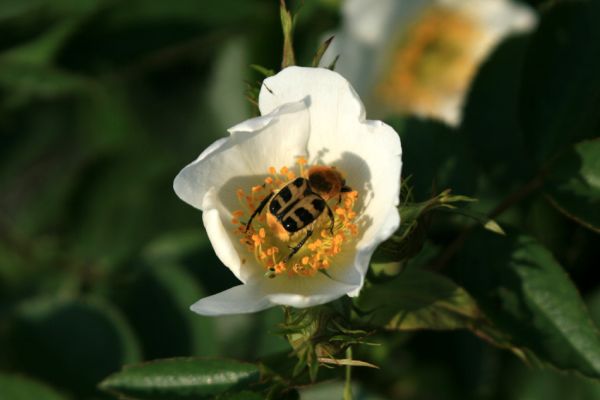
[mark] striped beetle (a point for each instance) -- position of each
(300, 202)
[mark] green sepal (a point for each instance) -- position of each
(320, 51)
(317, 334)
(287, 25)
(331, 66)
(266, 72)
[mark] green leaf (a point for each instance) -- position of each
(182, 378)
(418, 299)
(71, 343)
(573, 184)
(561, 90)
(527, 295)
(15, 387)
(168, 290)
(527, 383)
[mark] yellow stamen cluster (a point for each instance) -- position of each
(433, 61)
(318, 251)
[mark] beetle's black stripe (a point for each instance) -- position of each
(274, 206)
(290, 225)
(298, 182)
(304, 215)
(319, 205)
(285, 194)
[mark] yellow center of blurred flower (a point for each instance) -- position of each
(271, 245)
(434, 61)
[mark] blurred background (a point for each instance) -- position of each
(102, 102)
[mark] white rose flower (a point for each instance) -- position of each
(419, 56)
(312, 126)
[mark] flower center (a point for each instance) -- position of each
(434, 60)
(289, 226)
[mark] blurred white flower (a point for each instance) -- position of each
(419, 56)
(311, 117)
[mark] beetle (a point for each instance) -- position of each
(298, 204)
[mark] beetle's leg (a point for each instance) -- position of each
(258, 210)
(297, 247)
(331, 218)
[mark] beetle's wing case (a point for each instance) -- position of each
(287, 196)
(304, 212)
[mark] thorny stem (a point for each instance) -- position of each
(348, 385)
(442, 260)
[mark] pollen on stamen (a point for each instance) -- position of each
(271, 250)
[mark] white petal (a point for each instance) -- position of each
(236, 300)
(334, 106)
(216, 219)
(263, 293)
(254, 145)
(368, 245)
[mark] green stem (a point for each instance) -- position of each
(348, 385)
